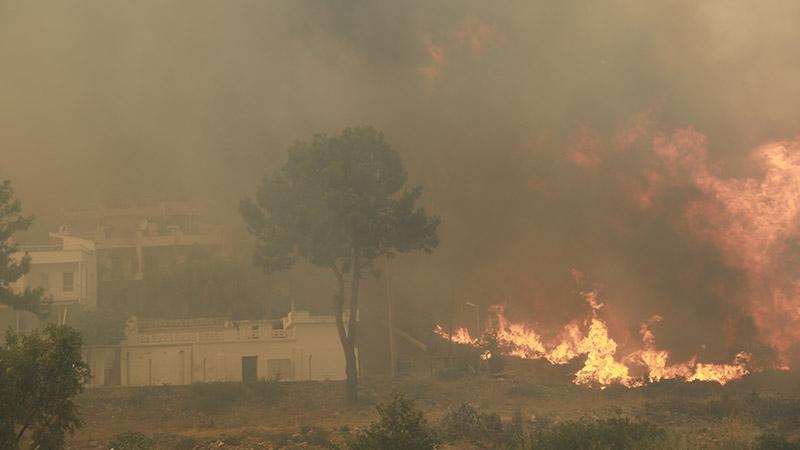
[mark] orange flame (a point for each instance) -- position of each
(461, 336)
(601, 367)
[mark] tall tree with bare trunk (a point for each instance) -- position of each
(340, 202)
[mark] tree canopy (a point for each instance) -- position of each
(40, 374)
(205, 285)
(340, 202)
(336, 198)
(13, 268)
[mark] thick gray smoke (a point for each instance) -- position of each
(102, 100)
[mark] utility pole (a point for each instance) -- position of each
(390, 317)
(478, 327)
(452, 314)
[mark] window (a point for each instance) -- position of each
(280, 369)
(116, 267)
(44, 281)
(69, 282)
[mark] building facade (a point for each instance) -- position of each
(135, 241)
(298, 347)
(66, 268)
(148, 237)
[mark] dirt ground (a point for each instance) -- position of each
(698, 415)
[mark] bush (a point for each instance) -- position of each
(185, 443)
(131, 440)
(465, 423)
(400, 426)
(492, 347)
(514, 434)
(41, 372)
(281, 439)
(101, 326)
(217, 396)
(772, 441)
(317, 436)
(232, 440)
(617, 433)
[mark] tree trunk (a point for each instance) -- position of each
(348, 346)
(352, 363)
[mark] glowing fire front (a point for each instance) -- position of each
(602, 365)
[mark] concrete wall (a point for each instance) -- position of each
(312, 357)
(103, 362)
(49, 264)
(52, 274)
(322, 357)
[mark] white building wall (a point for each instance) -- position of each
(50, 263)
(323, 357)
(308, 350)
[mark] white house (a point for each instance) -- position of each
(67, 270)
(297, 347)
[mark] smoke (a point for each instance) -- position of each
(532, 127)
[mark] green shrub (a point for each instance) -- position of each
(101, 326)
(232, 440)
(620, 433)
(465, 423)
(773, 441)
(131, 440)
(185, 443)
(514, 433)
(317, 436)
(281, 439)
(400, 426)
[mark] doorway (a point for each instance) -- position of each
(249, 369)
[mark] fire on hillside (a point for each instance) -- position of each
(604, 364)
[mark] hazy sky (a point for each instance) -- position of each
(486, 102)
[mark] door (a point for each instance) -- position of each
(249, 369)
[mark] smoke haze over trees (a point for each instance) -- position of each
(531, 127)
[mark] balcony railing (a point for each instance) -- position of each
(187, 336)
(144, 324)
(279, 334)
(40, 248)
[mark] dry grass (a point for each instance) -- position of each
(698, 415)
